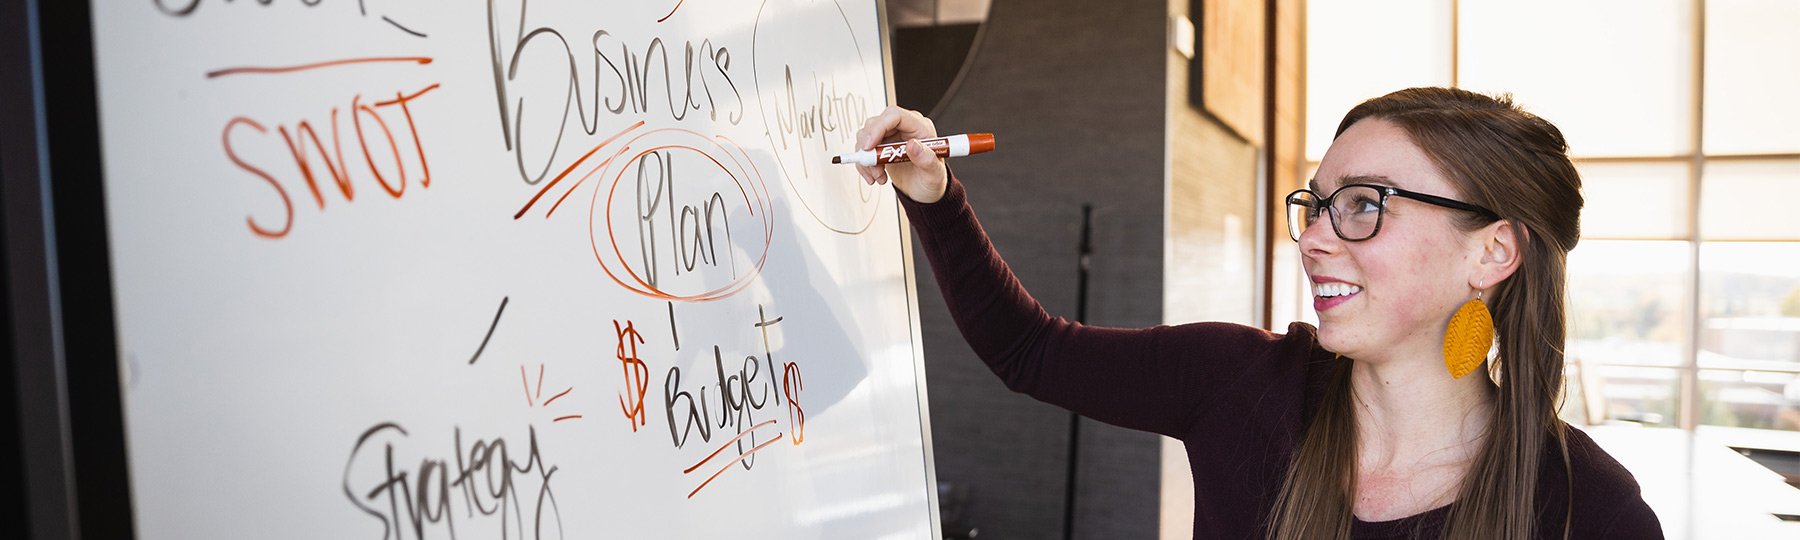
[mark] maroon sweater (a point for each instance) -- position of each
(1238, 397)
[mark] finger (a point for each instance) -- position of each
(878, 127)
(914, 125)
(866, 132)
(894, 124)
(923, 159)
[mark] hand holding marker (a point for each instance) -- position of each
(895, 152)
(925, 180)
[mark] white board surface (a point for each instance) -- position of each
(562, 269)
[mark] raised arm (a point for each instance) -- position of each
(1155, 379)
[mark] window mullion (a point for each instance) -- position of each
(1689, 399)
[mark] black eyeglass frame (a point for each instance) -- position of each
(1380, 213)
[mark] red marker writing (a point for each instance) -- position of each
(895, 152)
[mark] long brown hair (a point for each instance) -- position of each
(1500, 157)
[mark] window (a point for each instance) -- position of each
(1684, 293)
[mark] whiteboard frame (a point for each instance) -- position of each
(67, 374)
(912, 293)
(71, 416)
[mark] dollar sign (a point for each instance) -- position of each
(791, 383)
(637, 375)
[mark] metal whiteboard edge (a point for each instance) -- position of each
(77, 428)
(44, 461)
(84, 290)
(912, 292)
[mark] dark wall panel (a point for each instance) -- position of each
(927, 60)
(1075, 92)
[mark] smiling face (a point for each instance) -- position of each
(1391, 294)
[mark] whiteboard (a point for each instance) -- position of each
(508, 269)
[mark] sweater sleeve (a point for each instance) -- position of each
(1155, 379)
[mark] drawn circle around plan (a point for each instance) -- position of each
(642, 232)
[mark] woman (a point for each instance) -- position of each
(1433, 208)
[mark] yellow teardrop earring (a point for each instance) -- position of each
(1468, 338)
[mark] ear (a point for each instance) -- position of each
(1502, 245)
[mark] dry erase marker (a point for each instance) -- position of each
(951, 146)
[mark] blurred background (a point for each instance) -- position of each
(1144, 145)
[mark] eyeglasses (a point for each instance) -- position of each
(1356, 209)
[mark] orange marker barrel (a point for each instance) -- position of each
(895, 152)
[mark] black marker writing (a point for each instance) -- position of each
(742, 392)
(486, 475)
(490, 332)
(692, 229)
(184, 8)
(703, 82)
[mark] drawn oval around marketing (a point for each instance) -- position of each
(814, 89)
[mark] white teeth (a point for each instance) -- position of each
(1334, 289)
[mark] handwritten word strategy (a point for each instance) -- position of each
(487, 478)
